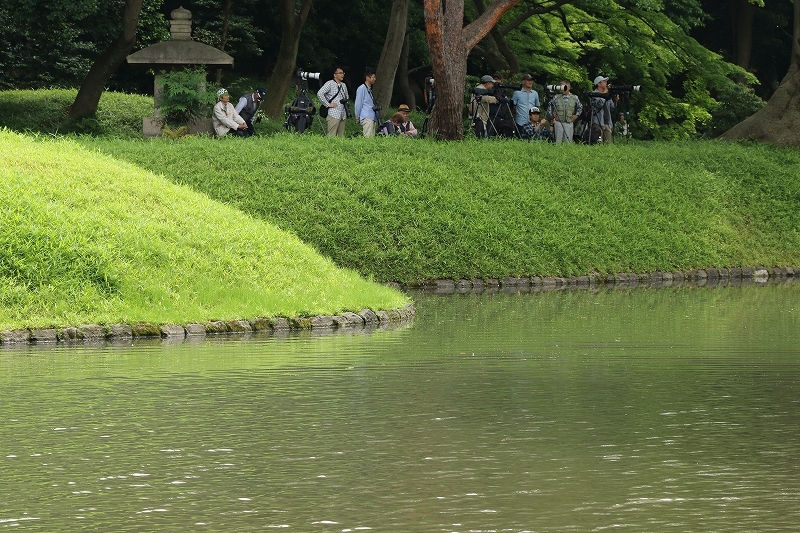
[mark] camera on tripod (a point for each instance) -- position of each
(307, 75)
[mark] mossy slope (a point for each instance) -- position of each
(85, 238)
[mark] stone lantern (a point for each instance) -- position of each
(177, 53)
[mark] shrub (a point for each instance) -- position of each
(184, 97)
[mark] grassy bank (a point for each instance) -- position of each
(86, 238)
(405, 210)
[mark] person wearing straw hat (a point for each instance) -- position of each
(407, 127)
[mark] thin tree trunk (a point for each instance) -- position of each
(390, 55)
(402, 77)
(91, 90)
(292, 21)
(742, 13)
(495, 49)
(226, 16)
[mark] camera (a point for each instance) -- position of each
(307, 75)
(482, 91)
(555, 88)
(499, 87)
(624, 88)
(430, 81)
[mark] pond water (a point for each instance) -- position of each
(674, 409)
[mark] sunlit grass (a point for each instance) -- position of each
(85, 238)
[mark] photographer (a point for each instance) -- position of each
(366, 110)
(603, 104)
(334, 96)
(247, 107)
(524, 99)
(394, 126)
(565, 110)
(479, 105)
(407, 127)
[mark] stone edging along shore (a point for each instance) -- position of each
(367, 318)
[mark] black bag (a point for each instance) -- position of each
(323, 109)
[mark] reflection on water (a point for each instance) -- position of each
(655, 410)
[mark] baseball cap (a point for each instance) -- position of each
(533, 110)
(261, 93)
(222, 92)
(598, 79)
(487, 79)
(527, 77)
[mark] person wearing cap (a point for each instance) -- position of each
(225, 118)
(523, 100)
(247, 107)
(407, 127)
(479, 106)
(535, 128)
(565, 110)
(366, 109)
(603, 105)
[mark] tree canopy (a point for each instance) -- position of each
(686, 54)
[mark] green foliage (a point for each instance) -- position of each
(184, 96)
(45, 111)
(409, 210)
(736, 104)
(84, 238)
(53, 43)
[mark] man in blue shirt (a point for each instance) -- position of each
(365, 104)
(524, 100)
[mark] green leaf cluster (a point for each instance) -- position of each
(184, 96)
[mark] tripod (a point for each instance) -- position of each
(430, 100)
(302, 109)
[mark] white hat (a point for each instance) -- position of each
(222, 92)
(598, 79)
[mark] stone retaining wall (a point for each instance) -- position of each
(364, 319)
(710, 277)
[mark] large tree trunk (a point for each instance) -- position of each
(449, 43)
(390, 55)
(778, 122)
(91, 90)
(292, 22)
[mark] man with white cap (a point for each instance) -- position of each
(565, 110)
(603, 105)
(225, 118)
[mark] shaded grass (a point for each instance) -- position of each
(408, 211)
(85, 238)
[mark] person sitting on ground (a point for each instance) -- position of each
(407, 127)
(247, 107)
(392, 126)
(537, 128)
(225, 119)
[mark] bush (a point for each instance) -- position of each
(184, 97)
(736, 104)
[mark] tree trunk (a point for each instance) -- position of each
(390, 55)
(495, 50)
(742, 13)
(91, 90)
(448, 45)
(292, 22)
(778, 122)
(226, 16)
(402, 77)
